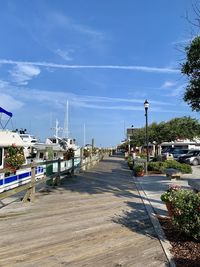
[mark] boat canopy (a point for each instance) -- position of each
(6, 112)
(2, 110)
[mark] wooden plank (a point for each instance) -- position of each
(94, 219)
(14, 191)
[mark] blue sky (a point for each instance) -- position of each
(104, 57)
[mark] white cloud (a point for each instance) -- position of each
(168, 84)
(22, 73)
(177, 91)
(65, 66)
(65, 54)
(10, 103)
(57, 100)
(68, 23)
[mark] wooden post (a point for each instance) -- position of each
(32, 195)
(72, 172)
(81, 159)
(57, 180)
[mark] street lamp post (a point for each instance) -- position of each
(146, 106)
(132, 132)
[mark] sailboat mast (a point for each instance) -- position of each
(66, 121)
(84, 134)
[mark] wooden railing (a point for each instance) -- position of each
(30, 187)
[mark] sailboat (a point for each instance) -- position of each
(57, 147)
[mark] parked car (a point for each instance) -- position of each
(167, 153)
(178, 152)
(192, 157)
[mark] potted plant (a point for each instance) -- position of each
(14, 158)
(168, 197)
(139, 170)
(69, 154)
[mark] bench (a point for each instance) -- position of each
(195, 184)
(173, 173)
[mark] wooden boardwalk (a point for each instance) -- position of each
(95, 219)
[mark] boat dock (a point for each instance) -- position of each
(94, 219)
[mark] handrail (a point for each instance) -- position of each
(30, 186)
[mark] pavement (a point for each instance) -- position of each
(154, 185)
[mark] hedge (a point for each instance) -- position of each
(161, 166)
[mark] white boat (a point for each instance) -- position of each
(20, 177)
(54, 148)
(9, 180)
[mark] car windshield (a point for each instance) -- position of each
(180, 151)
(193, 153)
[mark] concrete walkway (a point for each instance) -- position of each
(95, 219)
(154, 185)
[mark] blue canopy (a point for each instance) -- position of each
(6, 112)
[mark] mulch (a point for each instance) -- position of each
(186, 251)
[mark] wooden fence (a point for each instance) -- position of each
(30, 187)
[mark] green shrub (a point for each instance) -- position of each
(130, 162)
(161, 166)
(185, 168)
(138, 170)
(187, 215)
(169, 194)
(142, 155)
(156, 166)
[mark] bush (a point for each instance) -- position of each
(168, 195)
(142, 155)
(156, 166)
(161, 166)
(130, 162)
(138, 168)
(185, 168)
(187, 215)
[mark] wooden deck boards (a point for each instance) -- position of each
(95, 219)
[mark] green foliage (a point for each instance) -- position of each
(191, 68)
(184, 168)
(158, 166)
(50, 153)
(169, 195)
(142, 155)
(14, 157)
(130, 162)
(187, 212)
(161, 166)
(182, 128)
(138, 137)
(138, 168)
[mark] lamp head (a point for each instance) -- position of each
(146, 104)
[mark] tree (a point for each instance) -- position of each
(177, 128)
(191, 68)
(183, 128)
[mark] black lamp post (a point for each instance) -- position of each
(132, 131)
(146, 106)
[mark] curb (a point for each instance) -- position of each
(166, 246)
